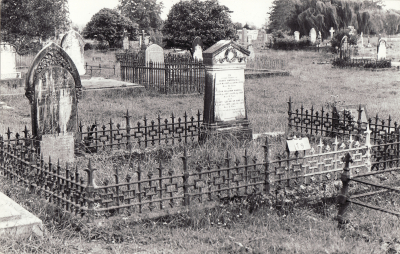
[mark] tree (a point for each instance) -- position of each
(207, 19)
(279, 14)
(26, 22)
(238, 25)
(110, 26)
(145, 13)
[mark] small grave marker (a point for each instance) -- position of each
(331, 31)
(197, 48)
(296, 35)
(313, 35)
(381, 49)
(298, 144)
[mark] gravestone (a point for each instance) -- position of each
(331, 31)
(313, 35)
(197, 47)
(53, 86)
(155, 54)
(224, 98)
(125, 43)
(244, 37)
(252, 55)
(296, 35)
(73, 44)
(381, 49)
(344, 48)
(8, 68)
(362, 40)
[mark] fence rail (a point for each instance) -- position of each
(177, 75)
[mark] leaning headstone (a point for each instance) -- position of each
(53, 86)
(224, 99)
(252, 55)
(197, 48)
(296, 35)
(73, 44)
(381, 49)
(313, 35)
(8, 68)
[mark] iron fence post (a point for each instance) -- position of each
(90, 189)
(186, 195)
(343, 197)
(266, 165)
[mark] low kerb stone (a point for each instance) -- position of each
(16, 221)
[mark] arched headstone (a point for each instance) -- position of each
(313, 35)
(72, 42)
(344, 48)
(197, 47)
(296, 35)
(53, 86)
(155, 54)
(381, 49)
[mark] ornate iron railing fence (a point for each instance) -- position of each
(143, 134)
(177, 75)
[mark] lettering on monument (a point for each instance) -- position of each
(229, 96)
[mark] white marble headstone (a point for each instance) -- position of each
(382, 49)
(73, 44)
(296, 35)
(313, 35)
(8, 62)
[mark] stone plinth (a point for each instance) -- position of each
(224, 98)
(16, 221)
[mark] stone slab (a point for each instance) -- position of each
(101, 83)
(16, 221)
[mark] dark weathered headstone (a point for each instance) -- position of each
(224, 99)
(53, 87)
(197, 48)
(72, 42)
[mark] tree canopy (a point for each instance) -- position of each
(108, 25)
(24, 22)
(188, 19)
(145, 13)
(366, 16)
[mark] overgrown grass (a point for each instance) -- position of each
(253, 225)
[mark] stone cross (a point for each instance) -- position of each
(53, 86)
(331, 31)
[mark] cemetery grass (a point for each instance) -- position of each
(229, 228)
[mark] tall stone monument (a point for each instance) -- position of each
(72, 42)
(197, 48)
(313, 35)
(224, 98)
(296, 35)
(53, 86)
(381, 49)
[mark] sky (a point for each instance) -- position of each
(253, 12)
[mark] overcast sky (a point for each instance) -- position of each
(244, 11)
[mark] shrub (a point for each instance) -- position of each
(290, 43)
(337, 38)
(88, 46)
(102, 46)
(343, 63)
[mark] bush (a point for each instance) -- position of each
(344, 63)
(102, 46)
(88, 46)
(290, 43)
(337, 38)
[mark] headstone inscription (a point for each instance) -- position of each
(296, 35)
(381, 49)
(8, 68)
(73, 44)
(224, 99)
(313, 35)
(197, 48)
(53, 86)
